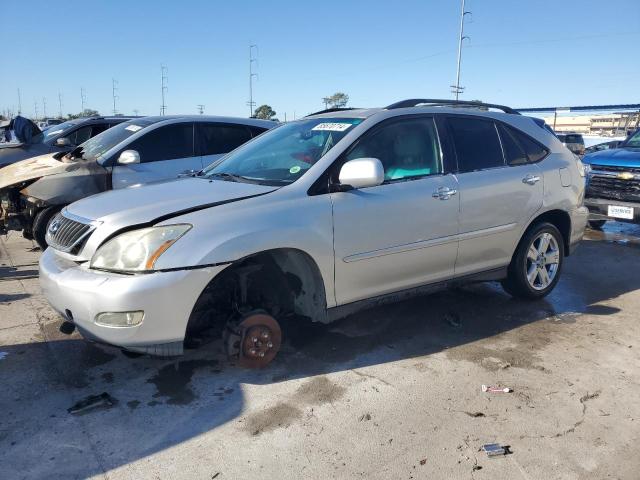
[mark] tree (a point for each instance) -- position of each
(265, 112)
(337, 100)
(88, 112)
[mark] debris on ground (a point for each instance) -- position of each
(423, 461)
(495, 449)
(491, 389)
(452, 319)
(92, 402)
(365, 417)
(475, 414)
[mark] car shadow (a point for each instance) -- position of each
(158, 404)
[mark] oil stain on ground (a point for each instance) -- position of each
(173, 380)
(317, 391)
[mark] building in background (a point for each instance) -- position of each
(605, 124)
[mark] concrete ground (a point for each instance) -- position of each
(392, 393)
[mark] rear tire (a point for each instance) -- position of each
(597, 224)
(41, 224)
(536, 265)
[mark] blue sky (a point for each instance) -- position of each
(521, 53)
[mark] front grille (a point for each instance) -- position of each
(615, 169)
(613, 188)
(65, 234)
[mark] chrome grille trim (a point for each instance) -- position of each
(66, 234)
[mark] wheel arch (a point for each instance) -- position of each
(560, 219)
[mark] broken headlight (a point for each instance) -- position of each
(138, 250)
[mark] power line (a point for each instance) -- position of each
(164, 88)
(252, 75)
(59, 105)
(19, 103)
(200, 109)
(83, 99)
(44, 107)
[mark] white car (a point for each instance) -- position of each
(318, 218)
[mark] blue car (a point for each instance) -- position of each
(613, 183)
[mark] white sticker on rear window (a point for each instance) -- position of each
(133, 128)
(332, 127)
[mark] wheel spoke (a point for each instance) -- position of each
(533, 253)
(544, 276)
(552, 257)
(544, 243)
(532, 274)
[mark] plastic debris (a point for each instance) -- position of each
(490, 389)
(92, 402)
(494, 449)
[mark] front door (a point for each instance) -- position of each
(400, 234)
(165, 153)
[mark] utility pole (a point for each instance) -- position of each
(44, 107)
(19, 103)
(135, 112)
(163, 75)
(83, 99)
(59, 105)
(252, 60)
(457, 89)
(35, 109)
(114, 89)
(200, 109)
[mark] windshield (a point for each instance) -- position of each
(284, 154)
(97, 146)
(50, 134)
(633, 140)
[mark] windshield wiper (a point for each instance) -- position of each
(230, 177)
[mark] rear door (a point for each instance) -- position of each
(500, 190)
(165, 153)
(400, 234)
(215, 139)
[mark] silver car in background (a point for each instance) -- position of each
(316, 219)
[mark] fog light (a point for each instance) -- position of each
(120, 319)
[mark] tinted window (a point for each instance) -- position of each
(476, 143)
(406, 148)
(514, 154)
(81, 135)
(165, 143)
(215, 138)
(255, 131)
(534, 150)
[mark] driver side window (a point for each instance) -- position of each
(407, 148)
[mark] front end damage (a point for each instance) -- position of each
(17, 210)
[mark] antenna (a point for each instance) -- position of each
(114, 89)
(252, 60)
(19, 103)
(83, 99)
(200, 109)
(59, 105)
(164, 88)
(457, 89)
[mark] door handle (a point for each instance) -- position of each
(444, 193)
(531, 179)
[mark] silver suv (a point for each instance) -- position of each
(316, 219)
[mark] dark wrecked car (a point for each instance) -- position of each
(26, 140)
(139, 151)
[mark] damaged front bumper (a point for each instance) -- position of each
(166, 298)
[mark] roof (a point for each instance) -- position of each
(214, 118)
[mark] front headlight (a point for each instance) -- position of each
(583, 168)
(138, 250)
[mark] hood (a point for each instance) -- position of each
(619, 157)
(31, 169)
(158, 201)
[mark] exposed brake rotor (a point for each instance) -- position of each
(255, 341)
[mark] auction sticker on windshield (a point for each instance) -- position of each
(332, 127)
(133, 128)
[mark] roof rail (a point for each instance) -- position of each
(436, 102)
(329, 110)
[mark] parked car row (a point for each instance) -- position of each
(314, 219)
(133, 152)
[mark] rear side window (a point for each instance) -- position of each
(255, 131)
(513, 152)
(535, 152)
(216, 138)
(165, 143)
(476, 143)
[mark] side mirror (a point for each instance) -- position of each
(128, 157)
(63, 142)
(362, 173)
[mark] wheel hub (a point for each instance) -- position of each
(257, 340)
